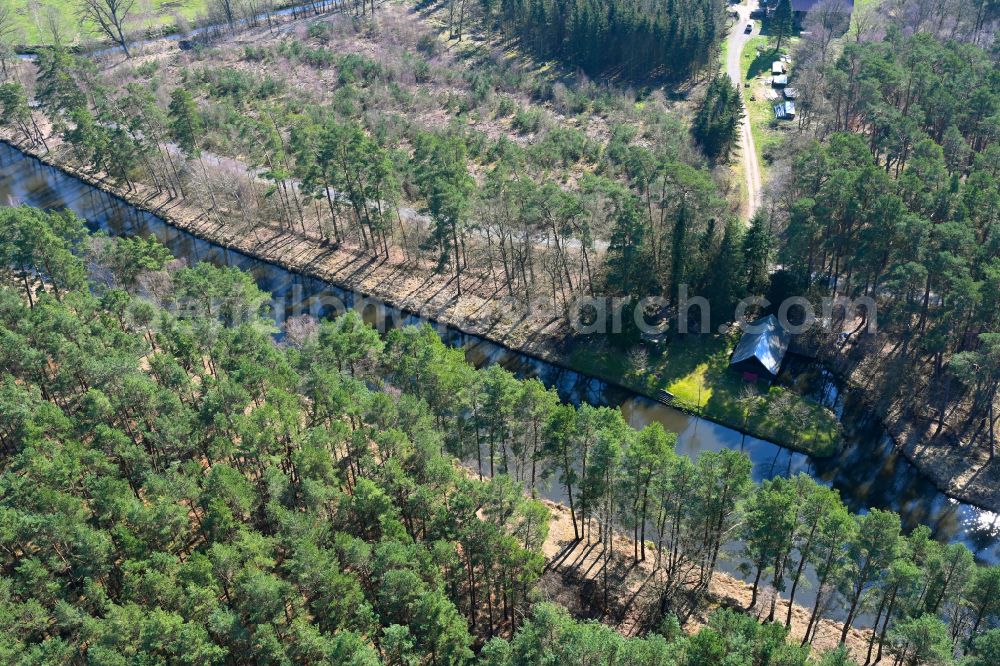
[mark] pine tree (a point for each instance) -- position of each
(443, 176)
(758, 245)
(726, 277)
(716, 125)
(628, 250)
(781, 21)
(186, 124)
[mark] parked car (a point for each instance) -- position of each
(749, 28)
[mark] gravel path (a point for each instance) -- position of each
(737, 40)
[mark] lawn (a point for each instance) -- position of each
(755, 62)
(695, 369)
(34, 18)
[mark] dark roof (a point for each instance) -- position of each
(767, 344)
(807, 5)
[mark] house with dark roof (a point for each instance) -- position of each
(804, 6)
(761, 350)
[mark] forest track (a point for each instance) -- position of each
(751, 166)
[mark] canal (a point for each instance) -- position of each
(867, 470)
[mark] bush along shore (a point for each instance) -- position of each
(491, 180)
(721, 396)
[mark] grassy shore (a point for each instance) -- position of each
(695, 369)
(34, 20)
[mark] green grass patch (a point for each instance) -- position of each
(695, 369)
(724, 54)
(757, 57)
(32, 19)
(755, 63)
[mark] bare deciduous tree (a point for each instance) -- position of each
(7, 31)
(51, 21)
(108, 16)
(826, 21)
(867, 19)
(227, 10)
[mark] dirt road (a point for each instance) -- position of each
(737, 40)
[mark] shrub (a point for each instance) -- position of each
(527, 121)
(147, 69)
(568, 101)
(238, 86)
(354, 67)
(428, 45)
(254, 53)
(319, 58)
(563, 146)
(480, 85)
(421, 71)
(506, 105)
(318, 30)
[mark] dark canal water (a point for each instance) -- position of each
(867, 471)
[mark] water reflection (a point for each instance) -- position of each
(867, 471)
